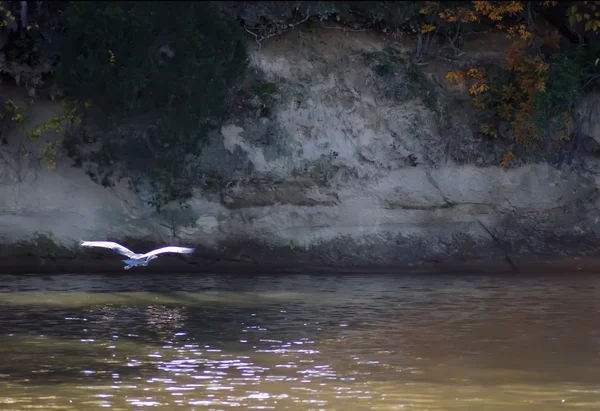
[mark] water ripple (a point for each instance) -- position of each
(299, 342)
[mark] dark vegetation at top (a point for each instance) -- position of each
(148, 81)
(156, 76)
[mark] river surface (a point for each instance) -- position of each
(299, 342)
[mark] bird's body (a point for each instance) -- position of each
(136, 259)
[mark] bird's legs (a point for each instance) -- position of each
(142, 263)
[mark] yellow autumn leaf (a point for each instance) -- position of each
(515, 7)
(426, 28)
(541, 67)
(541, 85)
(454, 76)
(479, 5)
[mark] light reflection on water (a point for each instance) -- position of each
(300, 342)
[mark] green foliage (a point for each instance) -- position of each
(56, 123)
(571, 73)
(7, 15)
(172, 58)
(157, 74)
(588, 14)
(264, 90)
(11, 112)
(403, 80)
(26, 48)
(550, 102)
(12, 118)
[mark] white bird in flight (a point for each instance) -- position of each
(136, 259)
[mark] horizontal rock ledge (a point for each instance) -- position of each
(516, 266)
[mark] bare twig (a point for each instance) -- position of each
(447, 59)
(421, 50)
(424, 63)
(275, 31)
(172, 226)
(591, 78)
(451, 43)
(343, 28)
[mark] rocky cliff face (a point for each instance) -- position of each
(349, 156)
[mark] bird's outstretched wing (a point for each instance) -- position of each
(170, 249)
(109, 244)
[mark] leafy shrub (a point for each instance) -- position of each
(402, 80)
(533, 95)
(571, 73)
(156, 74)
(26, 48)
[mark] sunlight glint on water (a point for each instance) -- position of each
(299, 342)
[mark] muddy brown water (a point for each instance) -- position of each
(138, 341)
